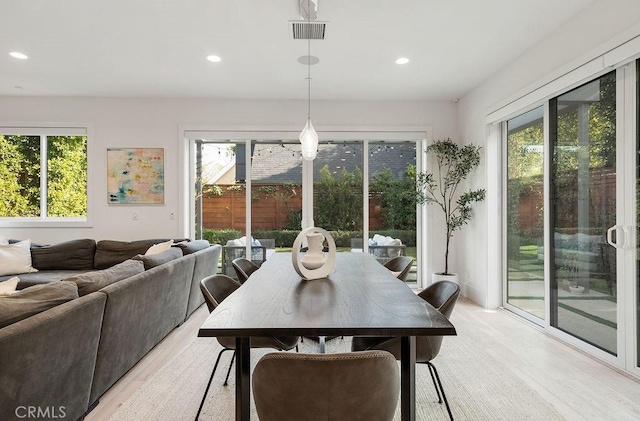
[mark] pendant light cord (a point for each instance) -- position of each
(309, 59)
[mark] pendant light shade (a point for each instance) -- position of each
(309, 141)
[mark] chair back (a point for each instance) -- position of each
(400, 266)
(244, 268)
(351, 386)
(443, 295)
(216, 288)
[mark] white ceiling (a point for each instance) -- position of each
(157, 48)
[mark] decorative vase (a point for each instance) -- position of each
(314, 257)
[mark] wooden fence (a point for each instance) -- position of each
(271, 206)
(602, 202)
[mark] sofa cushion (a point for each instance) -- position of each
(34, 300)
(43, 277)
(68, 255)
(16, 258)
(112, 252)
(157, 259)
(9, 286)
(94, 281)
(189, 247)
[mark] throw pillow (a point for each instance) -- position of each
(189, 247)
(33, 300)
(94, 281)
(158, 259)
(9, 286)
(380, 240)
(394, 251)
(157, 248)
(16, 258)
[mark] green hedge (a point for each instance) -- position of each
(285, 238)
(220, 236)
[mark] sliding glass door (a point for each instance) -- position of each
(571, 188)
(583, 178)
(525, 287)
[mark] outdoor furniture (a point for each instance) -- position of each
(316, 387)
(359, 297)
(382, 253)
(235, 249)
(443, 296)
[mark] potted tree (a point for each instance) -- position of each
(454, 163)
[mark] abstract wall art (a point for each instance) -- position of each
(135, 175)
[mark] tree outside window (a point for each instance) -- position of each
(26, 179)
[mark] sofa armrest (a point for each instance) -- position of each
(206, 264)
(49, 358)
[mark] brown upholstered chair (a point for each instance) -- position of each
(215, 289)
(443, 296)
(356, 386)
(244, 268)
(400, 266)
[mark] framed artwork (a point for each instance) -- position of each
(135, 175)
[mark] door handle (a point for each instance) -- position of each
(617, 244)
(622, 241)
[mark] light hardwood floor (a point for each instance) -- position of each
(578, 386)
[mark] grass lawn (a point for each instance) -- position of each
(410, 251)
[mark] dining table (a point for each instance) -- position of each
(359, 297)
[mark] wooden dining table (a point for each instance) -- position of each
(359, 297)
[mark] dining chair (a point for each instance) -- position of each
(400, 266)
(355, 386)
(244, 268)
(215, 289)
(442, 295)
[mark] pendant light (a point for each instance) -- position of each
(308, 136)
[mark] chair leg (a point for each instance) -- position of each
(435, 385)
(441, 389)
(226, 379)
(210, 379)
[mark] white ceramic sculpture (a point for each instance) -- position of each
(314, 264)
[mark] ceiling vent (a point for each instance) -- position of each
(307, 30)
(308, 27)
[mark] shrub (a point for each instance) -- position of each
(220, 236)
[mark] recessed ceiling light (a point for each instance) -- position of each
(16, 54)
(402, 60)
(214, 58)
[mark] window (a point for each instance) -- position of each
(43, 175)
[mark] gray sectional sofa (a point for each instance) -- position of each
(58, 362)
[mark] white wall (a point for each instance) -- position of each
(597, 29)
(155, 123)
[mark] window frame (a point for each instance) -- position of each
(421, 135)
(45, 130)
